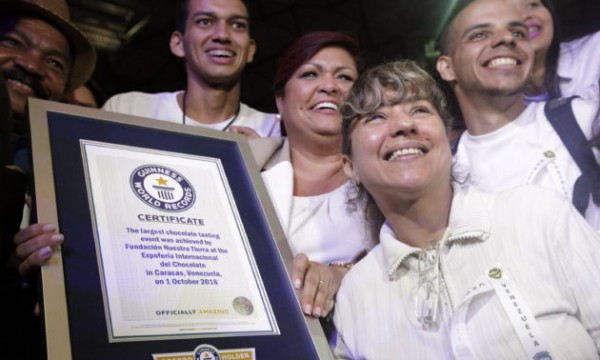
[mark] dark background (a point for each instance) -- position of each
(132, 36)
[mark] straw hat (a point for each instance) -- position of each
(56, 13)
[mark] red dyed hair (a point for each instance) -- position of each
(308, 46)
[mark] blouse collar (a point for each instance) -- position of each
(469, 220)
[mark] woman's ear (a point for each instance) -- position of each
(279, 102)
(176, 44)
(445, 67)
(349, 169)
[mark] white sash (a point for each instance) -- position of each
(519, 314)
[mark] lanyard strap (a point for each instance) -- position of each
(517, 311)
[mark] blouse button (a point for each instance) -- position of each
(549, 154)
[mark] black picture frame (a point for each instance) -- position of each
(72, 303)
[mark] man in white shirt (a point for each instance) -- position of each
(213, 38)
(486, 59)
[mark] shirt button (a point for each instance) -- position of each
(549, 154)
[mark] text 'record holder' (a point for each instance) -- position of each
(172, 245)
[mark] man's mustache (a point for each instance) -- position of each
(32, 81)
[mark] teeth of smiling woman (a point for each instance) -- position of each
(326, 105)
(220, 53)
(403, 152)
(502, 61)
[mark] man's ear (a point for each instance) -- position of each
(251, 51)
(349, 169)
(445, 67)
(176, 44)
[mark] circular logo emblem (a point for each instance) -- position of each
(162, 188)
(206, 352)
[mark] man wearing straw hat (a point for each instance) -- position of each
(42, 55)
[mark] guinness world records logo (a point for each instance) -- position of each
(162, 188)
(206, 352)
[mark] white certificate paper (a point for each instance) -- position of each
(173, 255)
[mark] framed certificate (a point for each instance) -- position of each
(172, 246)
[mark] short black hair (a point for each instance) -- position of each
(443, 40)
(183, 11)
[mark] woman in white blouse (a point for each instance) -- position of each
(305, 178)
(458, 274)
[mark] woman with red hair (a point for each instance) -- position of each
(305, 178)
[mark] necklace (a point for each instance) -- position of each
(237, 112)
(428, 288)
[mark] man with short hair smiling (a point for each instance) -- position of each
(486, 60)
(213, 38)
